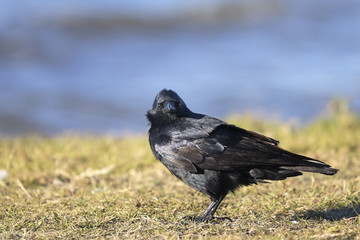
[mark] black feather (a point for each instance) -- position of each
(215, 157)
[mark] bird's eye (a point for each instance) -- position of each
(168, 105)
(161, 104)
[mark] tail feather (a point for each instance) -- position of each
(283, 172)
(327, 170)
(312, 165)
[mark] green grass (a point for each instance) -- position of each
(77, 186)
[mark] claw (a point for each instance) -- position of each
(206, 219)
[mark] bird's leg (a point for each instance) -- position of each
(209, 212)
(210, 209)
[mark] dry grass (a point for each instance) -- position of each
(73, 186)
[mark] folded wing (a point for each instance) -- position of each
(215, 145)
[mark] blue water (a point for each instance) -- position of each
(96, 68)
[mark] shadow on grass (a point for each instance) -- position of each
(335, 214)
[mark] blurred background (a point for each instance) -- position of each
(95, 66)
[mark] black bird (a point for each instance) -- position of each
(215, 157)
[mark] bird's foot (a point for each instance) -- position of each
(199, 219)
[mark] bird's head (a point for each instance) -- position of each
(167, 107)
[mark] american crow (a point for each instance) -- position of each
(215, 157)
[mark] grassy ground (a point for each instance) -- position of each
(73, 186)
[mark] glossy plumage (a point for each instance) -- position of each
(215, 157)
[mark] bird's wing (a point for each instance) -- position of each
(216, 145)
